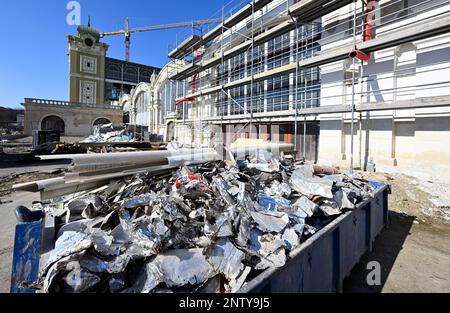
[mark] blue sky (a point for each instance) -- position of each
(33, 54)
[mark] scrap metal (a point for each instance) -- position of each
(210, 226)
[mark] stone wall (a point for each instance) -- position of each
(78, 121)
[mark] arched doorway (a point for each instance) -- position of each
(53, 123)
(102, 121)
(126, 118)
(170, 131)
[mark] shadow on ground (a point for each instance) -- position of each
(385, 251)
(28, 161)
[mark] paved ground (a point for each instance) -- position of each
(7, 228)
(413, 257)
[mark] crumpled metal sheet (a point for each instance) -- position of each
(264, 244)
(330, 208)
(341, 197)
(305, 183)
(291, 239)
(306, 205)
(69, 243)
(117, 283)
(149, 277)
(236, 284)
(139, 201)
(182, 266)
(269, 221)
(64, 264)
(177, 268)
(276, 259)
(273, 203)
(80, 280)
(264, 161)
(278, 189)
(94, 264)
(226, 259)
(205, 227)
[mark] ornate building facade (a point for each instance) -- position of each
(96, 83)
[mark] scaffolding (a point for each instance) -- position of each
(285, 44)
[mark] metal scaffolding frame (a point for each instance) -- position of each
(194, 42)
(421, 29)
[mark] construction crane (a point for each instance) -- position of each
(128, 31)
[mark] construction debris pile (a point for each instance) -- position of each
(110, 133)
(204, 228)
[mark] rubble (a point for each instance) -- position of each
(198, 226)
(110, 133)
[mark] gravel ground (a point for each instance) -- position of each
(7, 226)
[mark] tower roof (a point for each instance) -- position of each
(87, 30)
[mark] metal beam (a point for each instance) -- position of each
(161, 27)
(191, 43)
(418, 103)
(309, 10)
(235, 19)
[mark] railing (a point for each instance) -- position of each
(70, 104)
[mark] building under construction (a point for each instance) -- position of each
(361, 83)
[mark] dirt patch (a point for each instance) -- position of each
(7, 182)
(413, 258)
(6, 251)
(409, 198)
(413, 250)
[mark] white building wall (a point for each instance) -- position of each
(403, 137)
(415, 139)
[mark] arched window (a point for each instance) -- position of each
(102, 121)
(131, 74)
(141, 106)
(126, 117)
(145, 76)
(53, 123)
(170, 131)
(113, 71)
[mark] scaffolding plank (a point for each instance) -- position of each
(185, 47)
(185, 71)
(214, 33)
(425, 29)
(309, 10)
(245, 12)
(428, 102)
(312, 113)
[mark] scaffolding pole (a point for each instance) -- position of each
(352, 128)
(297, 70)
(306, 94)
(222, 61)
(251, 70)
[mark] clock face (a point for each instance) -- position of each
(89, 42)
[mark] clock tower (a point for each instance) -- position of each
(87, 67)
